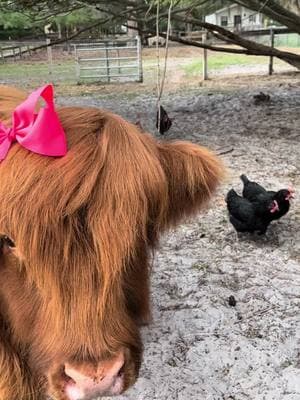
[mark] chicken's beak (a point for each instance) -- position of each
(289, 197)
(291, 194)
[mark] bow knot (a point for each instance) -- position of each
(11, 134)
(40, 132)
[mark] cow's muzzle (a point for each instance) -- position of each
(89, 381)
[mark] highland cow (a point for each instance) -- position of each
(76, 236)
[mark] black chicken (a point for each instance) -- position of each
(261, 98)
(163, 122)
(247, 216)
(254, 192)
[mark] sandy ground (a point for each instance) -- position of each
(198, 347)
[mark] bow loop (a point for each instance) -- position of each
(38, 131)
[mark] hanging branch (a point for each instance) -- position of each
(103, 21)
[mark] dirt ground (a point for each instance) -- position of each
(198, 347)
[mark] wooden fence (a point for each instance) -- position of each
(15, 52)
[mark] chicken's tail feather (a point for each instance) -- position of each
(231, 195)
(244, 179)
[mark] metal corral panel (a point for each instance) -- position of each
(107, 61)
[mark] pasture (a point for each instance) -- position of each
(198, 347)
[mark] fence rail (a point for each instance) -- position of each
(15, 52)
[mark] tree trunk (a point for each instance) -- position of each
(58, 24)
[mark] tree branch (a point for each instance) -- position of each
(275, 11)
(63, 40)
(133, 9)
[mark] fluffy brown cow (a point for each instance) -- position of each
(76, 234)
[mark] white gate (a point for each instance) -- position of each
(117, 60)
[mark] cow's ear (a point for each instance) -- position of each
(193, 174)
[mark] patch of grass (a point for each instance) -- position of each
(194, 68)
(200, 266)
(37, 71)
(221, 61)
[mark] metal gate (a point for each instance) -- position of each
(117, 60)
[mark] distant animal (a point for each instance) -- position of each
(254, 192)
(76, 238)
(247, 216)
(261, 98)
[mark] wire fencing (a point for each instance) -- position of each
(93, 61)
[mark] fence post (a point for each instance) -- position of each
(272, 39)
(50, 59)
(107, 62)
(77, 64)
(69, 48)
(2, 55)
(139, 56)
(205, 69)
(14, 53)
(118, 56)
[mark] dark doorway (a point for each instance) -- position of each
(237, 20)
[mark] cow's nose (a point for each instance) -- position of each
(88, 382)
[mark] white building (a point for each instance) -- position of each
(236, 17)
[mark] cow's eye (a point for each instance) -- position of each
(7, 240)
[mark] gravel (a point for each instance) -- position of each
(199, 347)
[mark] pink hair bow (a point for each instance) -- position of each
(40, 132)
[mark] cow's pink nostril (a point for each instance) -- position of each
(87, 382)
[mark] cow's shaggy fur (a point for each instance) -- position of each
(76, 288)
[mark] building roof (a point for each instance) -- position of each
(231, 6)
(225, 8)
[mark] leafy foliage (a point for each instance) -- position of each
(16, 20)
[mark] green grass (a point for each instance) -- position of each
(64, 71)
(221, 61)
(11, 71)
(200, 266)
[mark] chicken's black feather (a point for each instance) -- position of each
(247, 216)
(254, 192)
